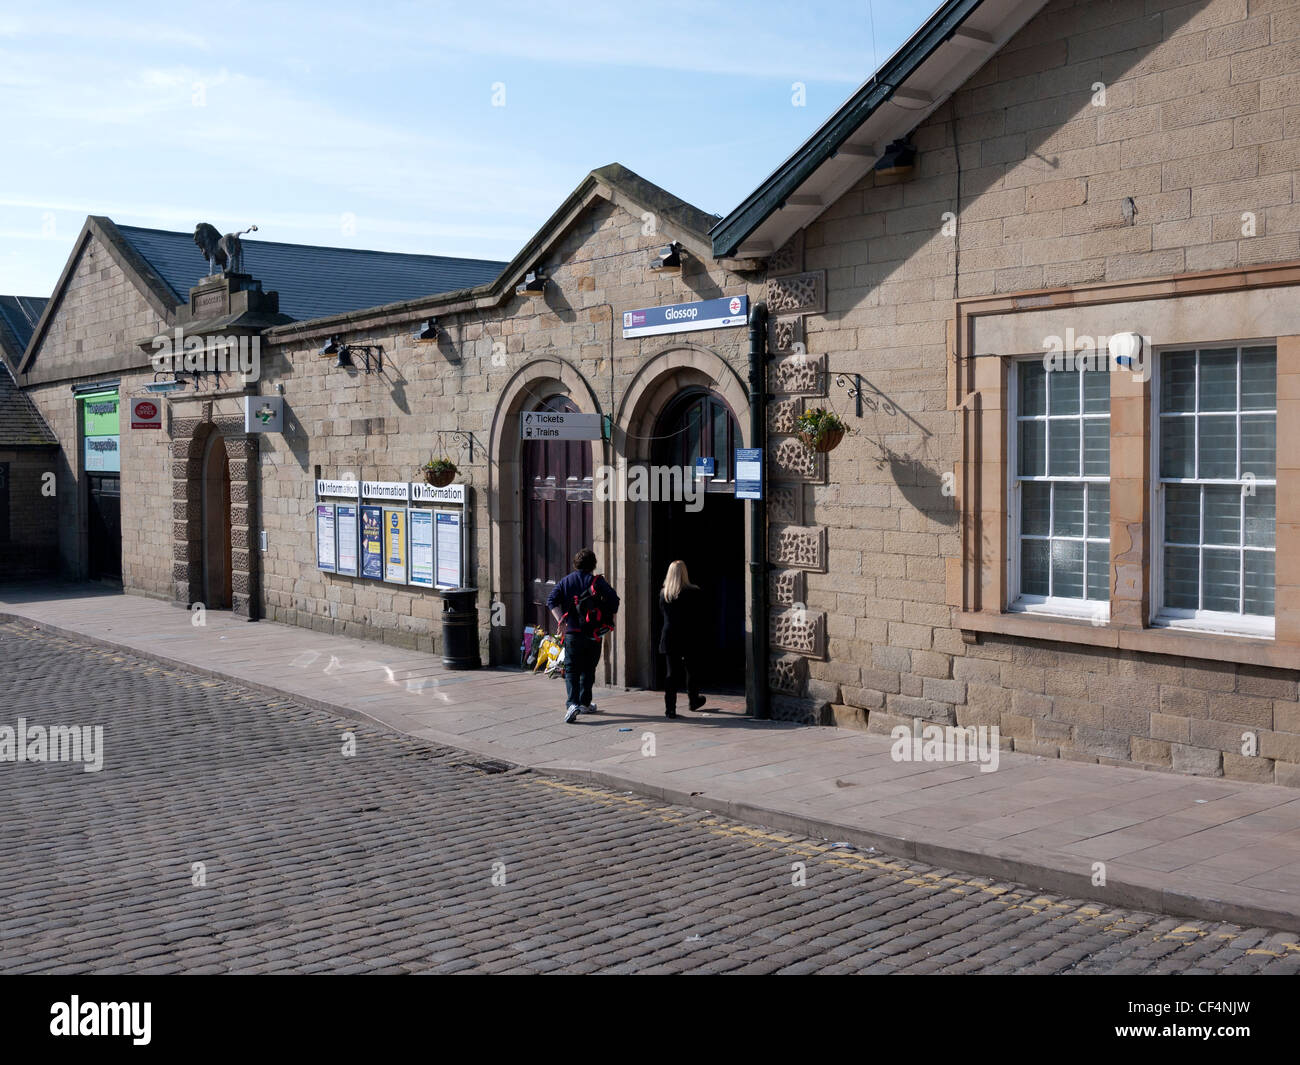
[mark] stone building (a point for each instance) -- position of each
(1044, 264)
(90, 353)
(378, 383)
(461, 371)
(28, 450)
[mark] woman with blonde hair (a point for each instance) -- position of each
(679, 639)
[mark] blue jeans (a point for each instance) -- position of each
(581, 653)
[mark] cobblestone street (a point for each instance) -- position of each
(393, 860)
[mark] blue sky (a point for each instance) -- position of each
(374, 126)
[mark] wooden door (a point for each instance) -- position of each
(557, 512)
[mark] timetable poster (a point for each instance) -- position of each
(395, 545)
(449, 546)
(345, 527)
(421, 547)
(325, 546)
(372, 542)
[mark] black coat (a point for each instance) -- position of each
(683, 624)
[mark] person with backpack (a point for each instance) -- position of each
(584, 604)
(679, 639)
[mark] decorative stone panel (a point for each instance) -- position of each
(788, 259)
(785, 504)
(802, 632)
(798, 547)
(790, 460)
(782, 414)
(783, 334)
(786, 586)
(787, 673)
(801, 374)
(797, 293)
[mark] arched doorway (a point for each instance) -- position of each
(708, 535)
(557, 518)
(215, 519)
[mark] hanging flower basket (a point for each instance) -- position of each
(439, 472)
(828, 441)
(820, 430)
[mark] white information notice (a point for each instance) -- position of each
(448, 534)
(421, 537)
(345, 526)
(325, 537)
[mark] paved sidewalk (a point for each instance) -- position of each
(1211, 849)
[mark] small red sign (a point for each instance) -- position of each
(145, 414)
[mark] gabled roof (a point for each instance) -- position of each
(953, 44)
(314, 281)
(311, 281)
(675, 220)
(21, 424)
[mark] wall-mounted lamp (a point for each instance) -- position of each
(668, 259)
(426, 331)
(344, 353)
(899, 159)
(534, 281)
(1124, 348)
(176, 384)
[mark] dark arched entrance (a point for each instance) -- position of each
(711, 539)
(557, 512)
(215, 519)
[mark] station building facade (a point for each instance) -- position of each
(1046, 268)
(214, 511)
(1086, 544)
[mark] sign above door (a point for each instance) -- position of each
(722, 313)
(558, 425)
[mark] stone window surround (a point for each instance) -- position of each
(988, 332)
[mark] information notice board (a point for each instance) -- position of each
(450, 530)
(421, 534)
(372, 543)
(395, 545)
(345, 528)
(416, 545)
(326, 537)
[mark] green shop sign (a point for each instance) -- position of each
(99, 417)
(102, 444)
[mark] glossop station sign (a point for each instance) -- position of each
(721, 313)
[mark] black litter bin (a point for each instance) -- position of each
(460, 628)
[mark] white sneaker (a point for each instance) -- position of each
(571, 714)
(590, 708)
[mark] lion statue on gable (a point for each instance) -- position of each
(225, 252)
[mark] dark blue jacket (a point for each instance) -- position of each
(567, 589)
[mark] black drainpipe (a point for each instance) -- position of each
(758, 512)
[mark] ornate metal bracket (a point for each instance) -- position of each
(463, 438)
(466, 440)
(877, 401)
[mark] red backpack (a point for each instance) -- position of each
(591, 610)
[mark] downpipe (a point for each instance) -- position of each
(758, 513)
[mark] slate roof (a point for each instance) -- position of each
(18, 318)
(21, 424)
(314, 282)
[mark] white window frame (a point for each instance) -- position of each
(1095, 610)
(1251, 626)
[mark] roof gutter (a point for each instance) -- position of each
(772, 194)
